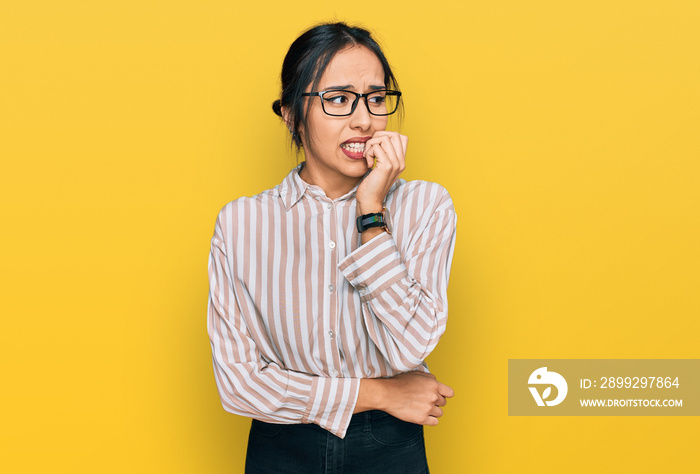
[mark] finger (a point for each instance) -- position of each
(436, 412)
(369, 155)
(369, 143)
(384, 142)
(445, 390)
(398, 148)
(370, 152)
(399, 153)
(381, 156)
(394, 147)
(404, 146)
(431, 421)
(441, 402)
(395, 140)
(402, 139)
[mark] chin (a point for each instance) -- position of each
(358, 169)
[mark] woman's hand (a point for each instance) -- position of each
(385, 153)
(415, 396)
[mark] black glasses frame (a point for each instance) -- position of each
(357, 95)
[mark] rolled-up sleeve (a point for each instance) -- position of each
(404, 296)
(250, 384)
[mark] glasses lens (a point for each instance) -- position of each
(338, 102)
(382, 102)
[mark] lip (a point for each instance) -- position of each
(356, 140)
(355, 155)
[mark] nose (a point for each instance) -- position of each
(361, 119)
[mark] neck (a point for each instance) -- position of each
(333, 185)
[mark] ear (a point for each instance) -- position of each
(285, 116)
(296, 134)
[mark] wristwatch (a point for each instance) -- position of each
(377, 219)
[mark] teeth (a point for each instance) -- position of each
(354, 146)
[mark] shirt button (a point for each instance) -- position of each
(331, 288)
(331, 334)
(329, 206)
(334, 372)
(331, 244)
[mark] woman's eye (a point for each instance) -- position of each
(337, 99)
(377, 100)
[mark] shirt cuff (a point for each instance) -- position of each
(331, 403)
(374, 266)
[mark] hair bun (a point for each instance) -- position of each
(277, 107)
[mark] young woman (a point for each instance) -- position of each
(328, 291)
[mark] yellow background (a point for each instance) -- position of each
(566, 132)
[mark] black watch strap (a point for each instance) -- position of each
(367, 221)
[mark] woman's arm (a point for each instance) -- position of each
(404, 295)
(250, 386)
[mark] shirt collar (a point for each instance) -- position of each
(293, 188)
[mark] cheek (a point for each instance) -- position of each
(317, 127)
(379, 123)
(329, 132)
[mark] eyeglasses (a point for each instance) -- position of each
(340, 103)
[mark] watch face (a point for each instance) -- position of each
(387, 221)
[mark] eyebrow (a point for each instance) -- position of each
(342, 88)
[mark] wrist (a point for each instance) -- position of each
(372, 395)
(369, 208)
(368, 223)
(369, 234)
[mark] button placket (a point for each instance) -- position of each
(331, 333)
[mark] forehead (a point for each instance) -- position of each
(356, 66)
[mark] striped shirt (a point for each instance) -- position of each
(299, 311)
